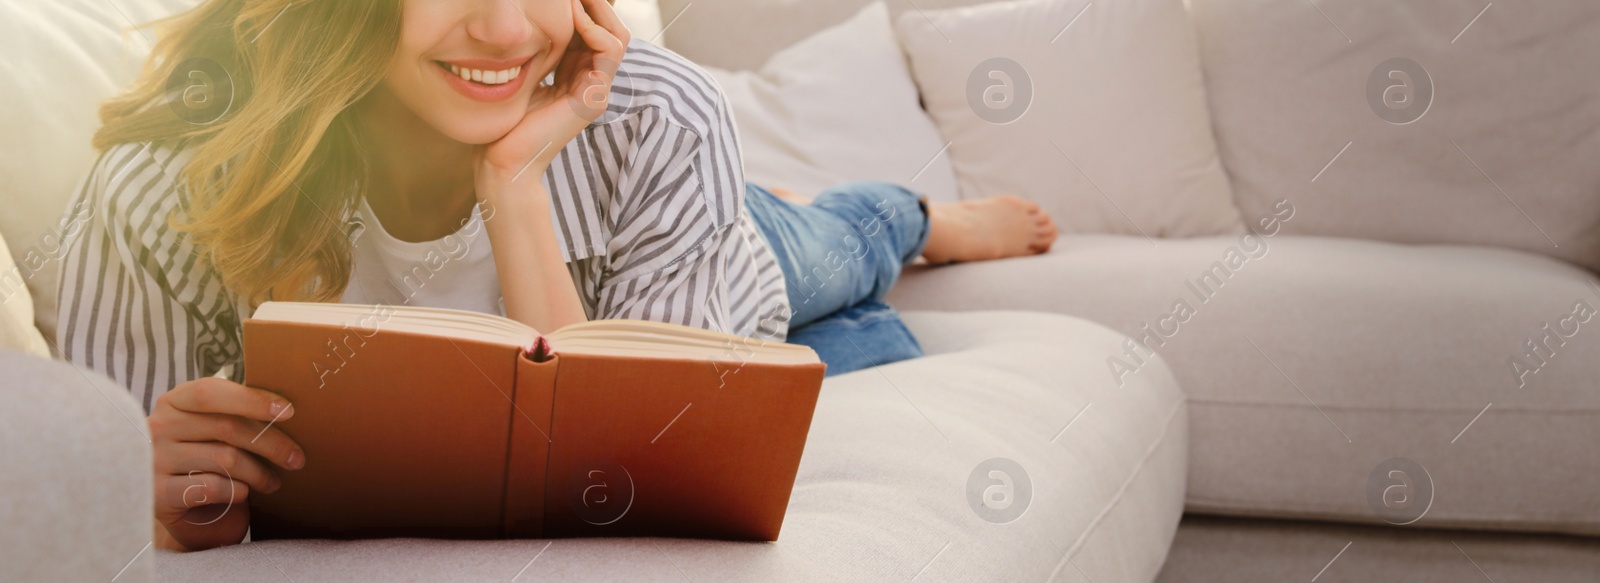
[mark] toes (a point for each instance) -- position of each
(1028, 205)
(1049, 230)
(1048, 235)
(1042, 246)
(1045, 239)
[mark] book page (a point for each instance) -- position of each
(660, 340)
(457, 324)
(604, 337)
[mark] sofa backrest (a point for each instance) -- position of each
(742, 34)
(1498, 145)
(1423, 121)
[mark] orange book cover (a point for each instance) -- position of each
(419, 435)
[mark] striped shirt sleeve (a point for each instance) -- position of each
(649, 206)
(136, 304)
(674, 235)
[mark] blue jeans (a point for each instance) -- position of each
(840, 255)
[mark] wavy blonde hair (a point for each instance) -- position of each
(271, 179)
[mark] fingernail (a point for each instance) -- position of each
(282, 410)
(294, 461)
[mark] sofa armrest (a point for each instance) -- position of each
(74, 476)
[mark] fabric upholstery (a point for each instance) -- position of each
(1398, 350)
(807, 123)
(882, 489)
(64, 58)
(17, 331)
(1095, 110)
(1222, 549)
(76, 478)
(743, 34)
(642, 17)
(1506, 151)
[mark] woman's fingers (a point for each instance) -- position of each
(253, 436)
(188, 458)
(214, 395)
(593, 58)
(607, 44)
(177, 496)
(580, 95)
(602, 13)
(213, 409)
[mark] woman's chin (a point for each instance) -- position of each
(481, 133)
(479, 126)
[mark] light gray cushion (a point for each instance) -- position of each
(1096, 112)
(805, 126)
(1401, 347)
(882, 489)
(74, 476)
(743, 34)
(1506, 153)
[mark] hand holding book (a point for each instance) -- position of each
(213, 445)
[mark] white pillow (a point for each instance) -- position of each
(1104, 121)
(835, 107)
(642, 17)
(17, 331)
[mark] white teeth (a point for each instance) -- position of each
(487, 77)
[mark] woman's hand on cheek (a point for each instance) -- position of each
(558, 113)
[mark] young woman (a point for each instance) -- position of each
(518, 157)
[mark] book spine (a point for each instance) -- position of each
(533, 398)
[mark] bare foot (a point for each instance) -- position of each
(789, 195)
(987, 228)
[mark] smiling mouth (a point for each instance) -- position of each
(482, 76)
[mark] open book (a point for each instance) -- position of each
(452, 424)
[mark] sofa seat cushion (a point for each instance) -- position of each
(1316, 360)
(883, 488)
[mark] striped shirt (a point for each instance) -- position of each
(648, 204)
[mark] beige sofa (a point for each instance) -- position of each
(1379, 326)
(1384, 321)
(891, 486)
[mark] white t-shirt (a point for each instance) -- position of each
(455, 271)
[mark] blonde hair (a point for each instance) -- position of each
(272, 178)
